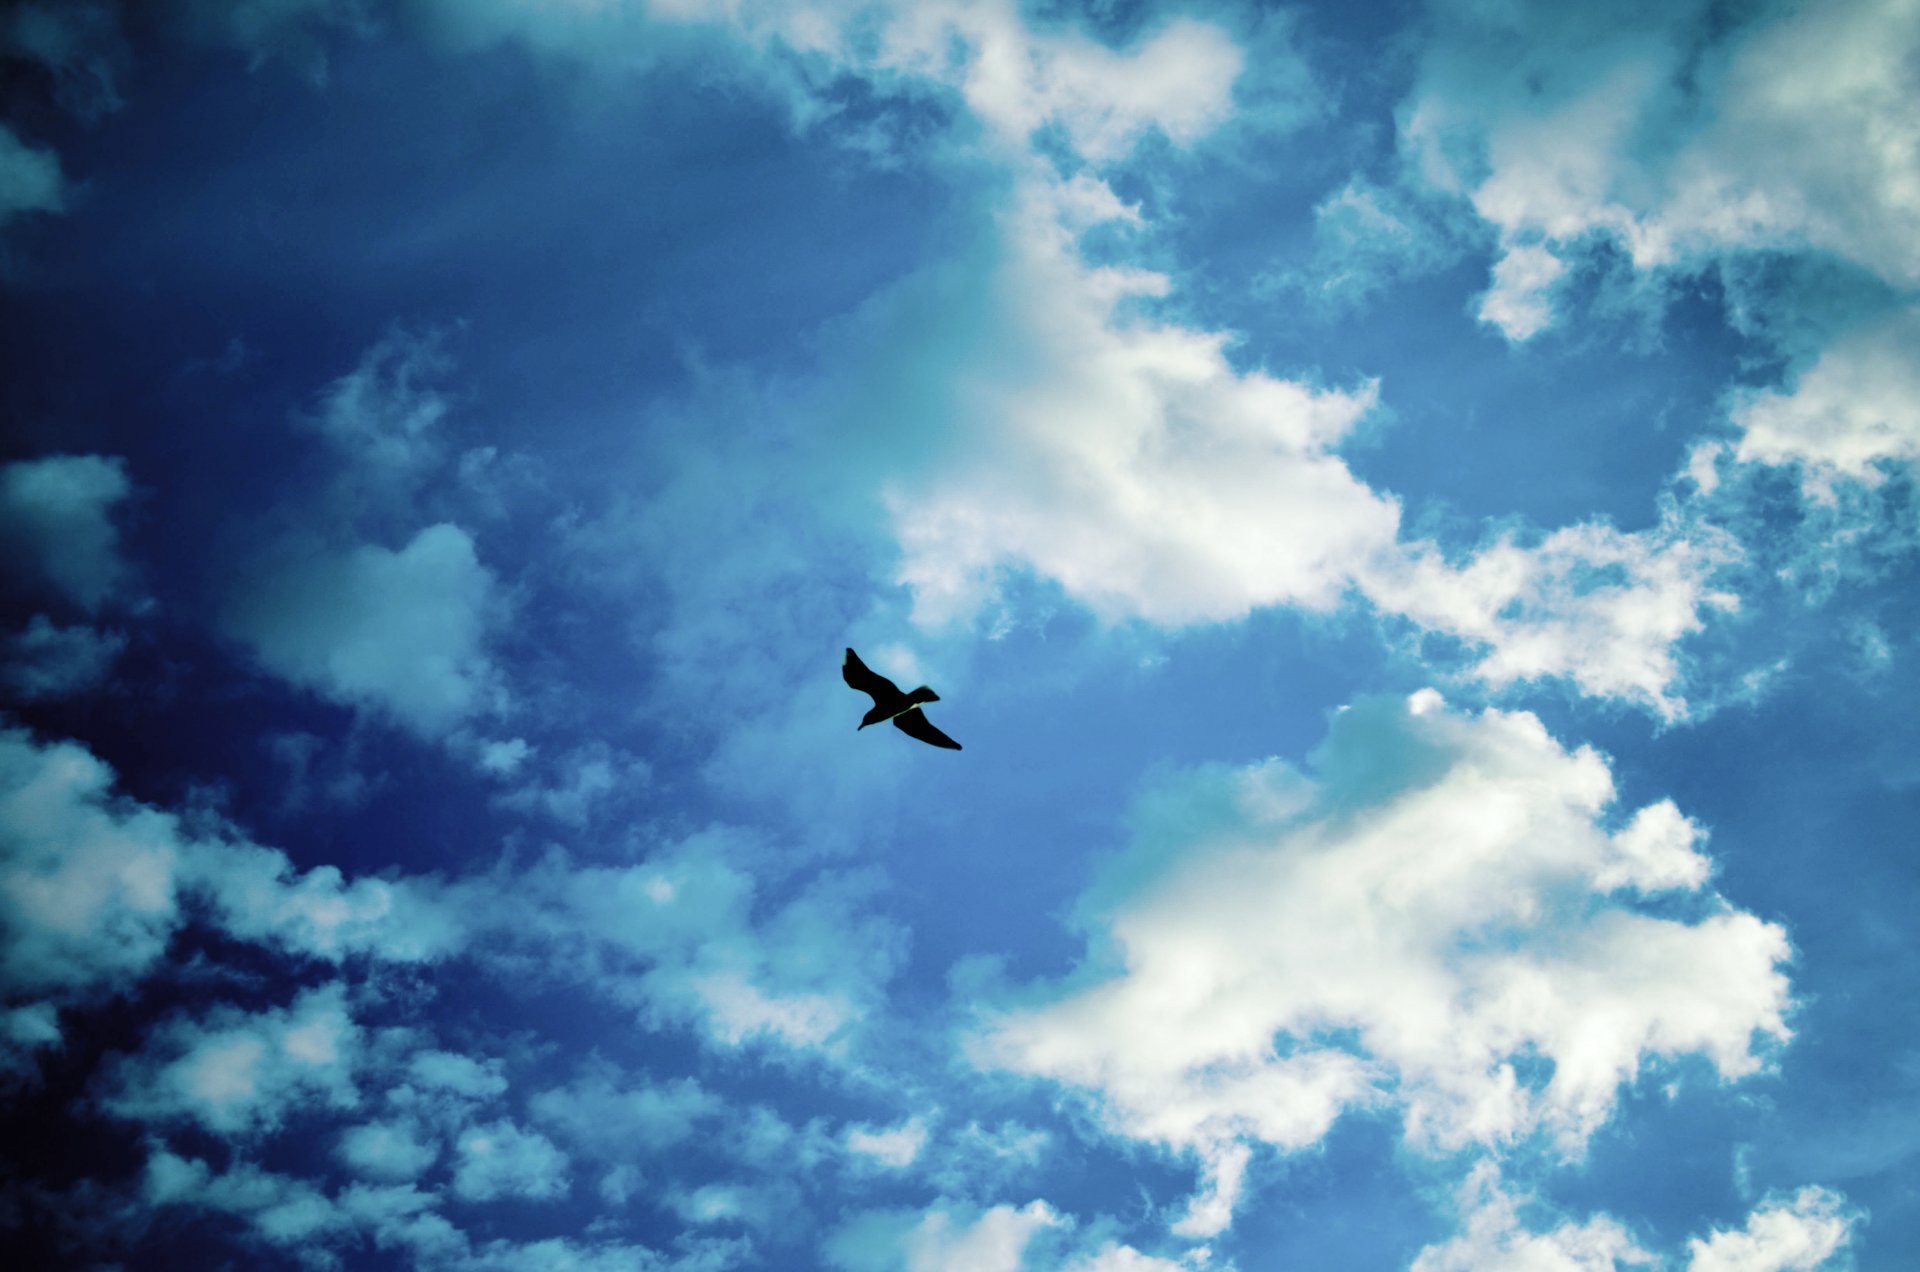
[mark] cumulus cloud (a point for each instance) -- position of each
(601, 1114)
(894, 1146)
(1448, 902)
(46, 661)
(94, 886)
(685, 937)
(1128, 460)
(386, 417)
(1132, 464)
(948, 1237)
(238, 1074)
(57, 515)
(1856, 408)
(292, 31)
(399, 631)
(1502, 1229)
(392, 1151)
(1495, 1238)
(1590, 604)
(1366, 237)
(88, 884)
(30, 178)
(499, 1159)
(1019, 78)
(80, 44)
(1783, 1234)
(1673, 137)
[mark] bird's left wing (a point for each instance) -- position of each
(915, 724)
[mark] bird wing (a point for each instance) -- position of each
(915, 724)
(866, 680)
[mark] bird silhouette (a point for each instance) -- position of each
(890, 704)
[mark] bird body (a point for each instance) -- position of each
(891, 704)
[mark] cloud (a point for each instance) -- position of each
(893, 1146)
(1132, 464)
(46, 662)
(57, 514)
(1127, 459)
(1587, 603)
(1675, 138)
(293, 31)
(1520, 302)
(79, 42)
(606, 1117)
(94, 886)
(1366, 237)
(1017, 78)
(392, 1151)
(1800, 1233)
(1502, 1230)
(239, 1074)
(1853, 411)
(1443, 922)
(87, 884)
(1494, 1238)
(30, 178)
(685, 936)
(498, 1159)
(948, 1237)
(386, 417)
(401, 632)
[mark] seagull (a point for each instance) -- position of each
(890, 704)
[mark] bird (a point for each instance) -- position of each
(890, 704)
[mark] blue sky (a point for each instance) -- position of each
(1409, 508)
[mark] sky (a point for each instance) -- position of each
(1408, 507)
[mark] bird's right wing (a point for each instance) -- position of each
(914, 724)
(866, 680)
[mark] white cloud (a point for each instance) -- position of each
(1128, 460)
(401, 632)
(30, 179)
(1789, 130)
(1365, 238)
(87, 885)
(1855, 408)
(1588, 603)
(1132, 464)
(894, 1146)
(45, 661)
(1113, 1257)
(581, 781)
(283, 1210)
(386, 416)
(685, 936)
(498, 1159)
(78, 41)
(93, 886)
(1442, 903)
(1018, 79)
(1505, 1230)
(1520, 302)
(1494, 1238)
(293, 31)
(601, 1115)
(391, 1151)
(57, 515)
(238, 1073)
(947, 1237)
(1783, 1234)
(257, 895)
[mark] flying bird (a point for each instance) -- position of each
(890, 704)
